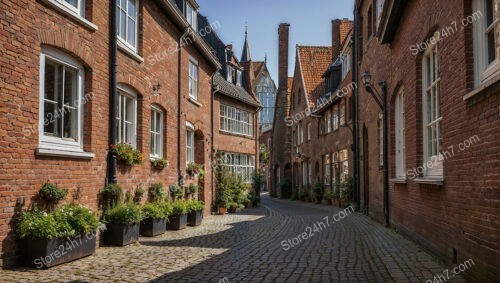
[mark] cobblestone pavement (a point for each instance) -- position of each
(246, 247)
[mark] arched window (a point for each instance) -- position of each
(399, 117)
(61, 101)
(156, 132)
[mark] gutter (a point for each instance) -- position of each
(178, 19)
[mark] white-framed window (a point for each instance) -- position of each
(381, 140)
(192, 16)
(335, 117)
(230, 71)
(236, 121)
(189, 143)
(77, 6)
(326, 169)
(241, 165)
(156, 133)
(379, 9)
(399, 117)
(346, 64)
(335, 170)
(486, 61)
(238, 77)
(343, 165)
(309, 172)
(309, 134)
(126, 116)
(328, 122)
(193, 79)
(300, 132)
(127, 22)
(432, 117)
(342, 112)
(61, 100)
(304, 174)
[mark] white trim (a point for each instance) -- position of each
(128, 51)
(483, 71)
(136, 25)
(56, 142)
(127, 92)
(160, 154)
(193, 62)
(42, 150)
(79, 17)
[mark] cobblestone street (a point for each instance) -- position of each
(246, 247)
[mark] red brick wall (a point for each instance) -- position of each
(30, 24)
(461, 215)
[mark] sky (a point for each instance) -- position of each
(310, 24)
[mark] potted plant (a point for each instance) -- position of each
(159, 163)
(154, 221)
(176, 191)
(52, 193)
(123, 224)
(126, 154)
(328, 197)
(192, 189)
(138, 194)
(250, 198)
(346, 192)
(51, 238)
(195, 212)
(303, 195)
(157, 192)
(318, 192)
(194, 169)
(112, 194)
(178, 218)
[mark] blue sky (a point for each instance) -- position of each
(310, 24)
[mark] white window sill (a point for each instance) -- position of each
(125, 49)
(438, 181)
(492, 80)
(398, 180)
(66, 11)
(192, 100)
(48, 151)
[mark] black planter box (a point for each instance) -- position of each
(45, 253)
(151, 227)
(194, 218)
(121, 234)
(177, 222)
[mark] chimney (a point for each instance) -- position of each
(283, 32)
(335, 38)
(340, 30)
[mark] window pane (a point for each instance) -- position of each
(72, 3)
(50, 81)
(132, 8)
(131, 32)
(70, 87)
(491, 46)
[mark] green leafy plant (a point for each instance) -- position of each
(329, 195)
(180, 207)
(123, 214)
(154, 210)
(139, 193)
(192, 189)
(176, 191)
(303, 195)
(127, 154)
(70, 220)
(195, 205)
(157, 192)
(167, 208)
(112, 194)
(52, 193)
(194, 169)
(318, 191)
(264, 153)
(159, 163)
(347, 190)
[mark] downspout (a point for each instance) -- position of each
(179, 99)
(111, 159)
(355, 113)
(213, 155)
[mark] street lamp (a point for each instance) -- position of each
(382, 103)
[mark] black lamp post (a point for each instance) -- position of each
(382, 103)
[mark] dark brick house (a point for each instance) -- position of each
(440, 64)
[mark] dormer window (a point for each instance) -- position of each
(230, 72)
(238, 77)
(191, 16)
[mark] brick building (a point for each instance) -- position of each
(55, 86)
(440, 64)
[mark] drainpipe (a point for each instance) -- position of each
(179, 99)
(212, 155)
(111, 159)
(354, 109)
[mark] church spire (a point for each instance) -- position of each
(245, 56)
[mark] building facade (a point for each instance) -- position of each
(442, 85)
(56, 85)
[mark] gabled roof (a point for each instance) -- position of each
(313, 61)
(234, 91)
